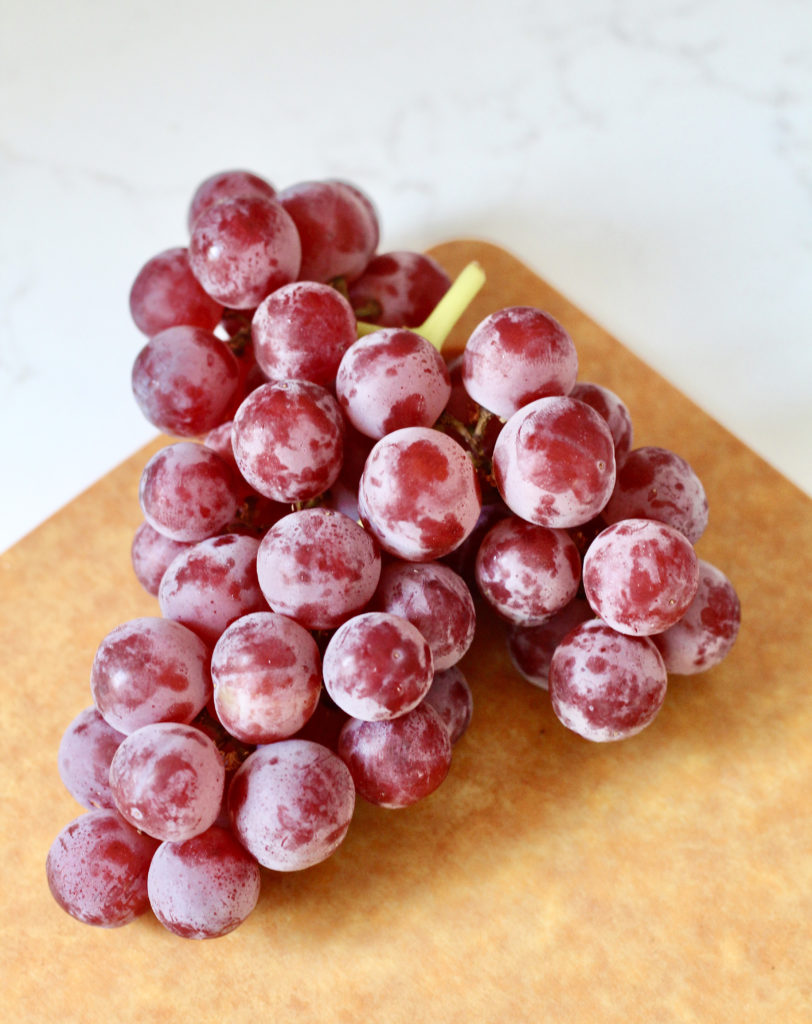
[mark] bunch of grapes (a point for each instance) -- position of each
(336, 502)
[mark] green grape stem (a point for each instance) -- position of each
(441, 321)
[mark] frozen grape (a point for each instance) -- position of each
(318, 566)
(605, 685)
(184, 380)
(150, 553)
(228, 185)
(266, 672)
(85, 752)
(391, 379)
(655, 483)
(614, 411)
(288, 440)
(167, 780)
(436, 600)
(704, 635)
(187, 492)
(211, 584)
(301, 331)
(377, 666)
(515, 356)
(97, 869)
(531, 647)
(204, 887)
(242, 249)
(395, 763)
(291, 804)
(399, 289)
(451, 697)
(150, 670)
(167, 294)
(554, 462)
(419, 494)
(337, 227)
(527, 572)
(640, 576)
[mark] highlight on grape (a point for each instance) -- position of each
(336, 503)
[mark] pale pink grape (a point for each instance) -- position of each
(266, 671)
(527, 572)
(167, 780)
(291, 804)
(705, 634)
(288, 440)
(613, 409)
(515, 356)
(97, 869)
(605, 685)
(150, 670)
(554, 462)
(398, 762)
(204, 887)
(640, 576)
(390, 379)
(419, 494)
(150, 553)
(318, 566)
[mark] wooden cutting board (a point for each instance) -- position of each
(667, 878)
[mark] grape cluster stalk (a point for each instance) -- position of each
(336, 504)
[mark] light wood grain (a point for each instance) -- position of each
(664, 879)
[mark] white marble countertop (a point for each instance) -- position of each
(650, 158)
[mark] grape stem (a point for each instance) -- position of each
(442, 319)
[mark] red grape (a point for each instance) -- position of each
(377, 666)
(167, 780)
(97, 869)
(184, 381)
(527, 572)
(204, 887)
(318, 566)
(395, 763)
(211, 584)
(288, 440)
(391, 379)
(151, 552)
(337, 227)
(150, 670)
(167, 294)
(187, 492)
(85, 752)
(613, 410)
(654, 483)
(554, 462)
(451, 697)
(228, 185)
(399, 289)
(531, 647)
(435, 600)
(291, 804)
(242, 249)
(605, 685)
(419, 494)
(640, 576)
(706, 632)
(266, 672)
(302, 330)
(515, 356)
